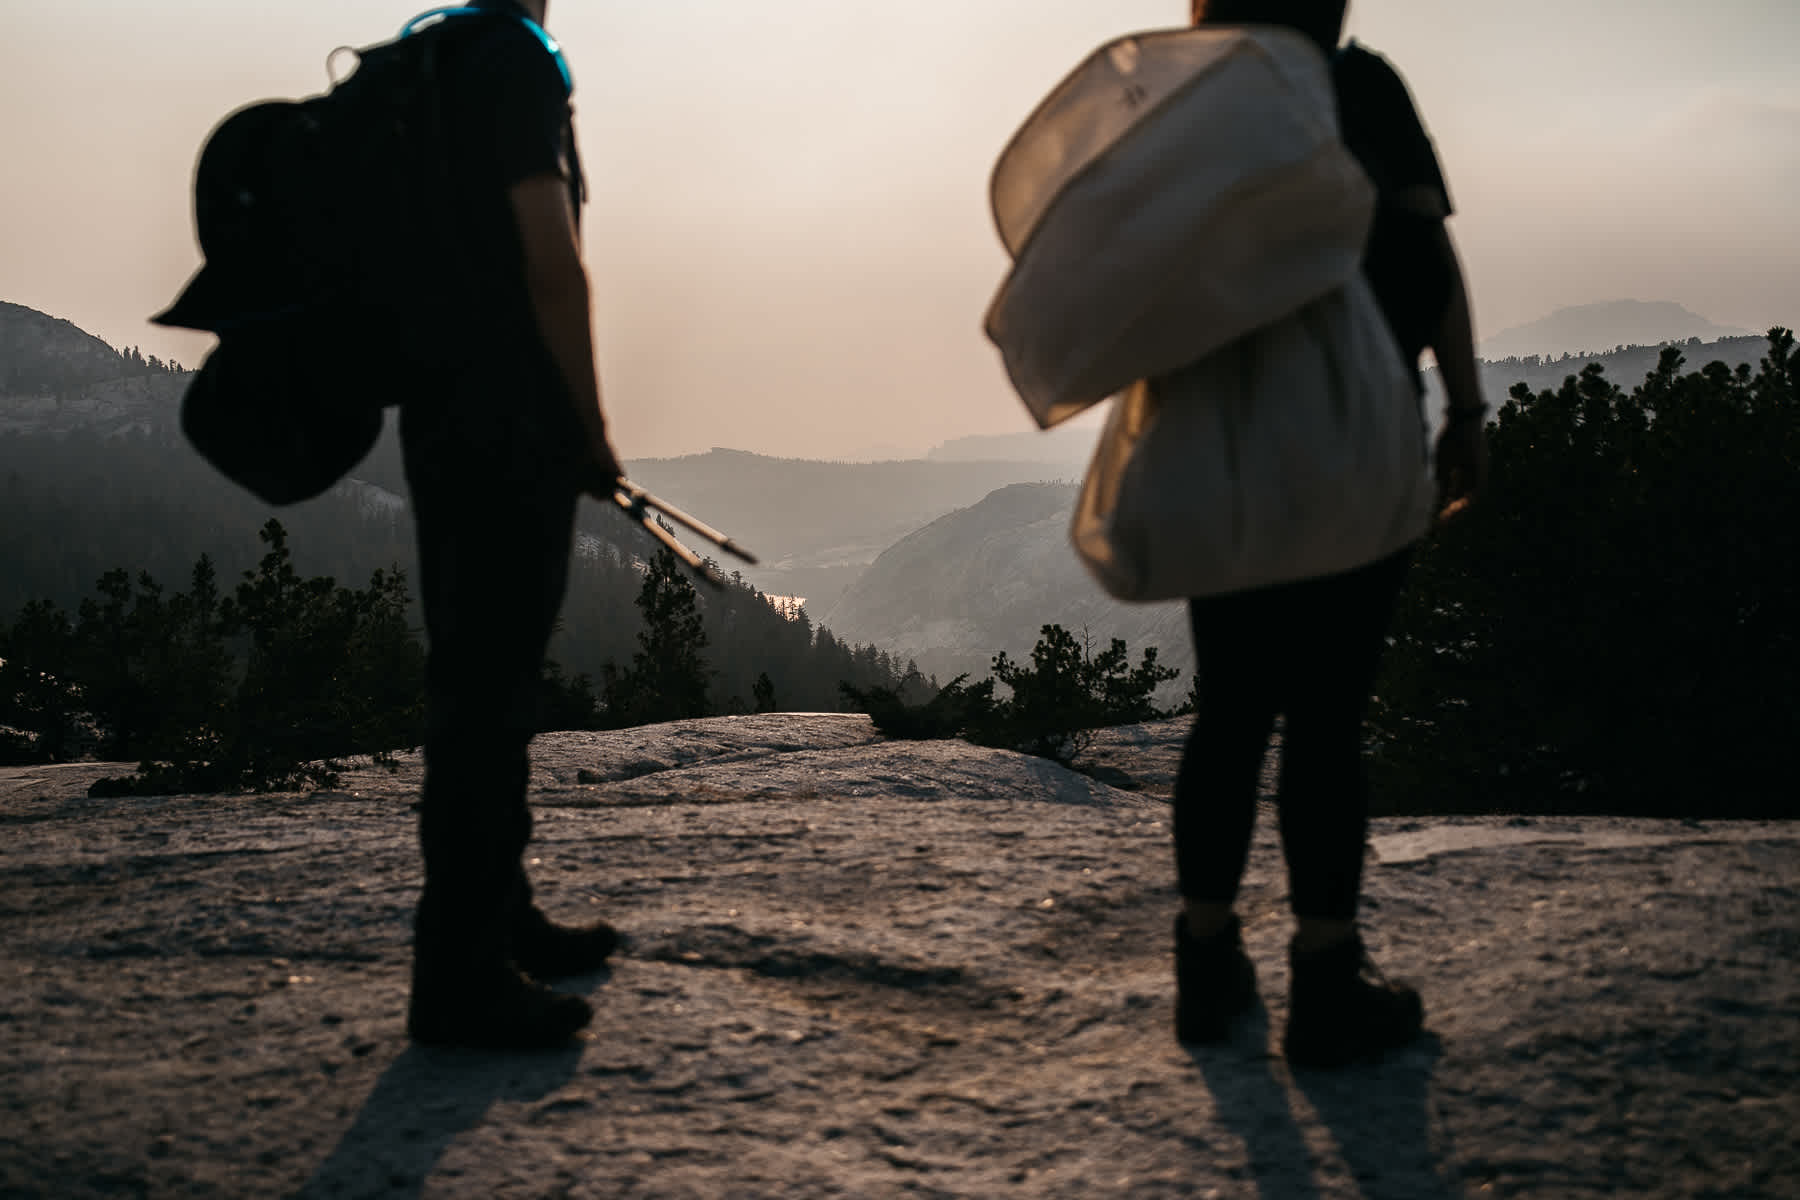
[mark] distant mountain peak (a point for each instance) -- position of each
(1597, 328)
(29, 335)
(54, 377)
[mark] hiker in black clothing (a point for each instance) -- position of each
(498, 451)
(1309, 650)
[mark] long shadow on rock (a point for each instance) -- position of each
(1380, 1115)
(1252, 1103)
(422, 1103)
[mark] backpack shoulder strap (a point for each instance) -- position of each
(554, 48)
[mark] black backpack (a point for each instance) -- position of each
(331, 265)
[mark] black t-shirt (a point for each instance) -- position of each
(506, 118)
(501, 408)
(1383, 130)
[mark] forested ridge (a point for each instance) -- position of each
(263, 683)
(136, 617)
(79, 505)
(1546, 372)
(1611, 630)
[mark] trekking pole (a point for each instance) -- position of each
(694, 562)
(634, 499)
(639, 506)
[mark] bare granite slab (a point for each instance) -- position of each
(868, 968)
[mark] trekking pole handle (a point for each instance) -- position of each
(632, 496)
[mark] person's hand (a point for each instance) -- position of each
(1461, 465)
(602, 473)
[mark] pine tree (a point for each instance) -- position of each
(36, 696)
(667, 679)
(1611, 629)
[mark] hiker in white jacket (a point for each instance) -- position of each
(1308, 651)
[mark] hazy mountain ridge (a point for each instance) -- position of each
(987, 578)
(1585, 329)
(98, 476)
(131, 404)
(28, 336)
(1065, 449)
(818, 525)
(1626, 366)
(55, 378)
(946, 560)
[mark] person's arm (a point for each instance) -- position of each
(1453, 341)
(560, 302)
(1381, 119)
(1462, 446)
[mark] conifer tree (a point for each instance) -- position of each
(1611, 629)
(667, 679)
(37, 700)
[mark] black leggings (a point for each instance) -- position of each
(1308, 650)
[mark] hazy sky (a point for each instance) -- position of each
(789, 235)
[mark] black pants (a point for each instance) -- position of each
(1308, 651)
(495, 520)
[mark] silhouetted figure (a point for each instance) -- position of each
(498, 451)
(1309, 650)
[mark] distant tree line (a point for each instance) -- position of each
(712, 652)
(79, 504)
(260, 687)
(41, 375)
(137, 363)
(1547, 371)
(267, 686)
(1612, 630)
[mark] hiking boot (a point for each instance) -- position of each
(545, 950)
(1342, 1009)
(1215, 982)
(496, 1008)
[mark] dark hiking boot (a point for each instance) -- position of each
(1215, 982)
(496, 1008)
(545, 950)
(1341, 1008)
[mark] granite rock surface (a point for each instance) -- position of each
(869, 968)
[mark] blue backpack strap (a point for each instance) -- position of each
(543, 35)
